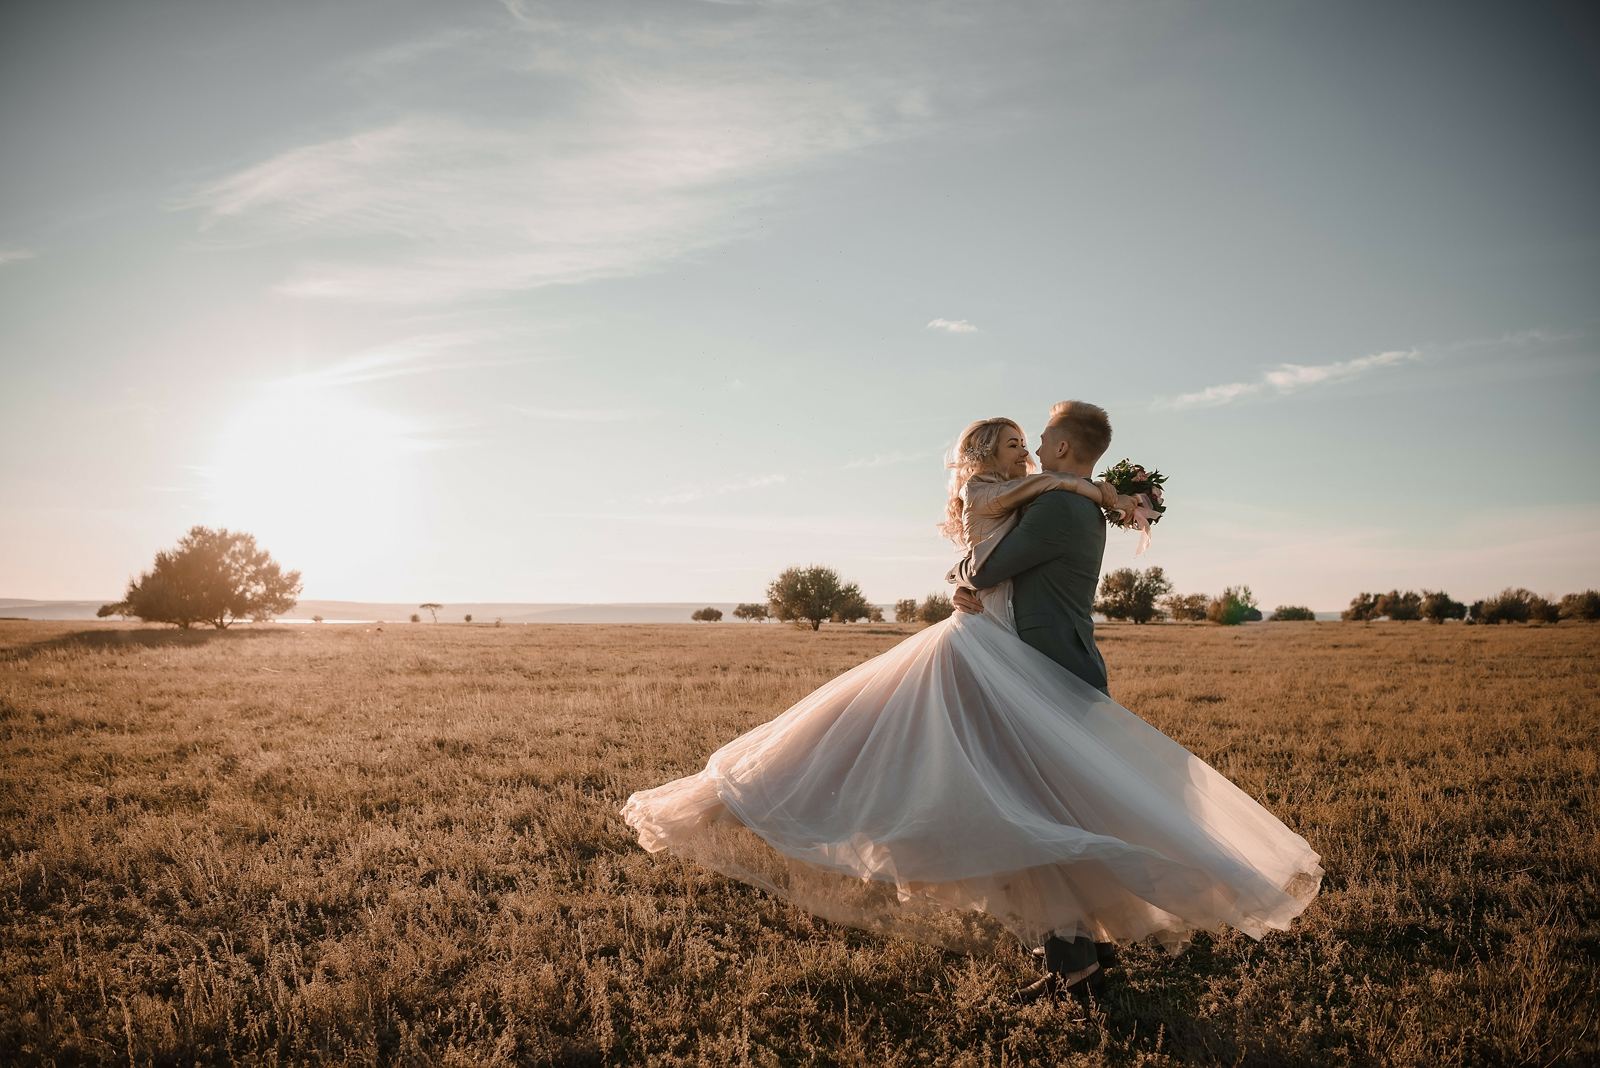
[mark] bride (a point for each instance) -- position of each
(963, 784)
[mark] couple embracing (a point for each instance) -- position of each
(977, 779)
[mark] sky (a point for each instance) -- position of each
(645, 301)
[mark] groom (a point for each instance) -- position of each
(1053, 561)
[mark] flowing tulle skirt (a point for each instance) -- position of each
(963, 784)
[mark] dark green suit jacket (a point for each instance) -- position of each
(1053, 561)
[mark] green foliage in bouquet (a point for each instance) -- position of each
(1132, 479)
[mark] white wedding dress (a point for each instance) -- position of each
(963, 784)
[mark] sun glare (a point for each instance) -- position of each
(324, 481)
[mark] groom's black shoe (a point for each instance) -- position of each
(1104, 952)
(1053, 985)
(1070, 967)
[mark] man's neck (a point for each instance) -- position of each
(1067, 467)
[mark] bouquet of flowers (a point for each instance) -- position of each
(1144, 486)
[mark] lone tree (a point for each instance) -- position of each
(1129, 594)
(706, 615)
(803, 595)
(906, 611)
(213, 576)
(432, 609)
(754, 613)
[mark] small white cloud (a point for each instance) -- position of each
(1289, 378)
(954, 326)
(12, 255)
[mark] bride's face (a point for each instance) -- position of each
(1013, 453)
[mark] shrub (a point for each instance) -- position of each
(1130, 594)
(1363, 606)
(810, 595)
(1585, 605)
(415, 618)
(1236, 605)
(1513, 606)
(212, 576)
(936, 608)
(1293, 613)
(1437, 606)
(706, 615)
(468, 617)
(1187, 606)
(751, 612)
(907, 611)
(1398, 606)
(316, 619)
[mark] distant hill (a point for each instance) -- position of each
(49, 609)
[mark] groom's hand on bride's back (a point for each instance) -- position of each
(967, 601)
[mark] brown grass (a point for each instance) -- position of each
(346, 845)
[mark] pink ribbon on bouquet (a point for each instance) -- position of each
(1142, 514)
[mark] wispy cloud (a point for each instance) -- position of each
(12, 255)
(954, 326)
(1289, 378)
(699, 493)
(655, 158)
(886, 459)
(422, 354)
(581, 415)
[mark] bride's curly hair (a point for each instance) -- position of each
(973, 456)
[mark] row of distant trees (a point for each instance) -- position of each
(1508, 606)
(220, 576)
(1148, 596)
(813, 595)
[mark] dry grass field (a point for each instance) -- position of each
(401, 846)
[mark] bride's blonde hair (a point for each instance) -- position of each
(975, 454)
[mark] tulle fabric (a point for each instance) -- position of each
(962, 785)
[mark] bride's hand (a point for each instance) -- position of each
(1125, 505)
(1108, 494)
(967, 601)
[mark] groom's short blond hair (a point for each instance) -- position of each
(1086, 426)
